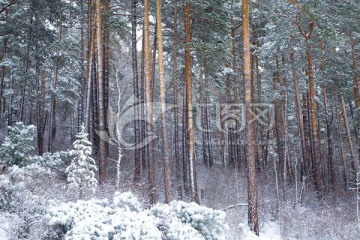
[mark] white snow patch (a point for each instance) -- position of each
(270, 230)
(4, 227)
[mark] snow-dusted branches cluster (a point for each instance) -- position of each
(125, 218)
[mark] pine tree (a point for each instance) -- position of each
(81, 172)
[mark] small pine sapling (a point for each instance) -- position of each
(81, 172)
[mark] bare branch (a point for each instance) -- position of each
(8, 5)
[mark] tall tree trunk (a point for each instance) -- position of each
(356, 77)
(261, 130)
(317, 160)
(185, 149)
(176, 108)
(328, 121)
(343, 168)
(227, 124)
(83, 59)
(149, 107)
(144, 162)
(88, 82)
(27, 65)
(135, 91)
(163, 103)
(3, 75)
(41, 116)
(106, 68)
(189, 107)
(100, 92)
(287, 157)
(236, 101)
(53, 124)
(250, 124)
(353, 163)
(299, 116)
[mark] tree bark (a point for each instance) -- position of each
(135, 91)
(41, 116)
(100, 88)
(253, 219)
(149, 107)
(176, 108)
(328, 121)
(189, 107)
(163, 103)
(299, 116)
(54, 85)
(353, 163)
(317, 160)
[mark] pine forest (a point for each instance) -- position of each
(179, 119)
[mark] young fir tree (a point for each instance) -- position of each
(81, 172)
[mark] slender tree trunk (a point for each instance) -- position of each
(258, 81)
(101, 93)
(106, 68)
(185, 149)
(10, 105)
(27, 65)
(3, 75)
(299, 116)
(54, 85)
(142, 99)
(165, 139)
(250, 124)
(353, 163)
(289, 171)
(203, 118)
(343, 169)
(136, 91)
(189, 107)
(41, 116)
(153, 62)
(83, 59)
(328, 121)
(356, 77)
(317, 160)
(88, 82)
(149, 107)
(176, 108)
(227, 124)
(236, 101)
(222, 137)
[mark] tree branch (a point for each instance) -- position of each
(8, 5)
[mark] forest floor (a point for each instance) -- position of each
(332, 218)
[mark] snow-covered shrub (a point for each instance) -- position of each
(124, 218)
(17, 199)
(19, 183)
(207, 221)
(19, 142)
(81, 172)
(54, 161)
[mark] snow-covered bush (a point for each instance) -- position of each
(19, 142)
(81, 172)
(25, 209)
(125, 218)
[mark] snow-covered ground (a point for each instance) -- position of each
(269, 231)
(4, 226)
